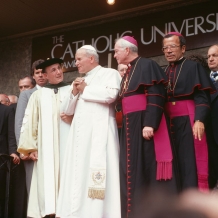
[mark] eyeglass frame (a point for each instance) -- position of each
(165, 48)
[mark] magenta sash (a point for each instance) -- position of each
(187, 108)
(162, 145)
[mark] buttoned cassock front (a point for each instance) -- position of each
(94, 118)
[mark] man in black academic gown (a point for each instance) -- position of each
(142, 98)
(8, 146)
(188, 106)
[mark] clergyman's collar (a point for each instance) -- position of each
(92, 70)
(133, 61)
(53, 86)
(178, 62)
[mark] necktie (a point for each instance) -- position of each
(214, 76)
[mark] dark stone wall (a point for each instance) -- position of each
(15, 61)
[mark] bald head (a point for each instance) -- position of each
(212, 55)
(122, 69)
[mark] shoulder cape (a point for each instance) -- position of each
(192, 76)
(145, 72)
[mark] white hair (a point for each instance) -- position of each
(90, 51)
(125, 44)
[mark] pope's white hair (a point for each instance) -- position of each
(90, 51)
(125, 44)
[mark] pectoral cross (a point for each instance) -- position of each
(125, 81)
(169, 86)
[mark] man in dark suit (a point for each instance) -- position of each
(40, 80)
(26, 82)
(8, 146)
(213, 143)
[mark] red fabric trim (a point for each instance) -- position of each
(155, 105)
(161, 138)
(163, 152)
(199, 87)
(206, 105)
(187, 107)
(119, 119)
(173, 69)
(134, 103)
(127, 168)
(155, 95)
(153, 82)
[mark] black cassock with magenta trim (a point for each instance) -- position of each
(143, 164)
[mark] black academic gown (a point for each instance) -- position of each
(192, 83)
(17, 205)
(138, 168)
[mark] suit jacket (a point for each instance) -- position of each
(214, 115)
(14, 106)
(21, 107)
(17, 180)
(7, 138)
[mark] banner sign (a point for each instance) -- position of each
(198, 24)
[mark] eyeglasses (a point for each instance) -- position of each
(171, 47)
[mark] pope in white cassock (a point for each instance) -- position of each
(43, 137)
(90, 186)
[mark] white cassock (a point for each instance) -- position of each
(43, 131)
(92, 145)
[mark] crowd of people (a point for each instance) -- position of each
(97, 147)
